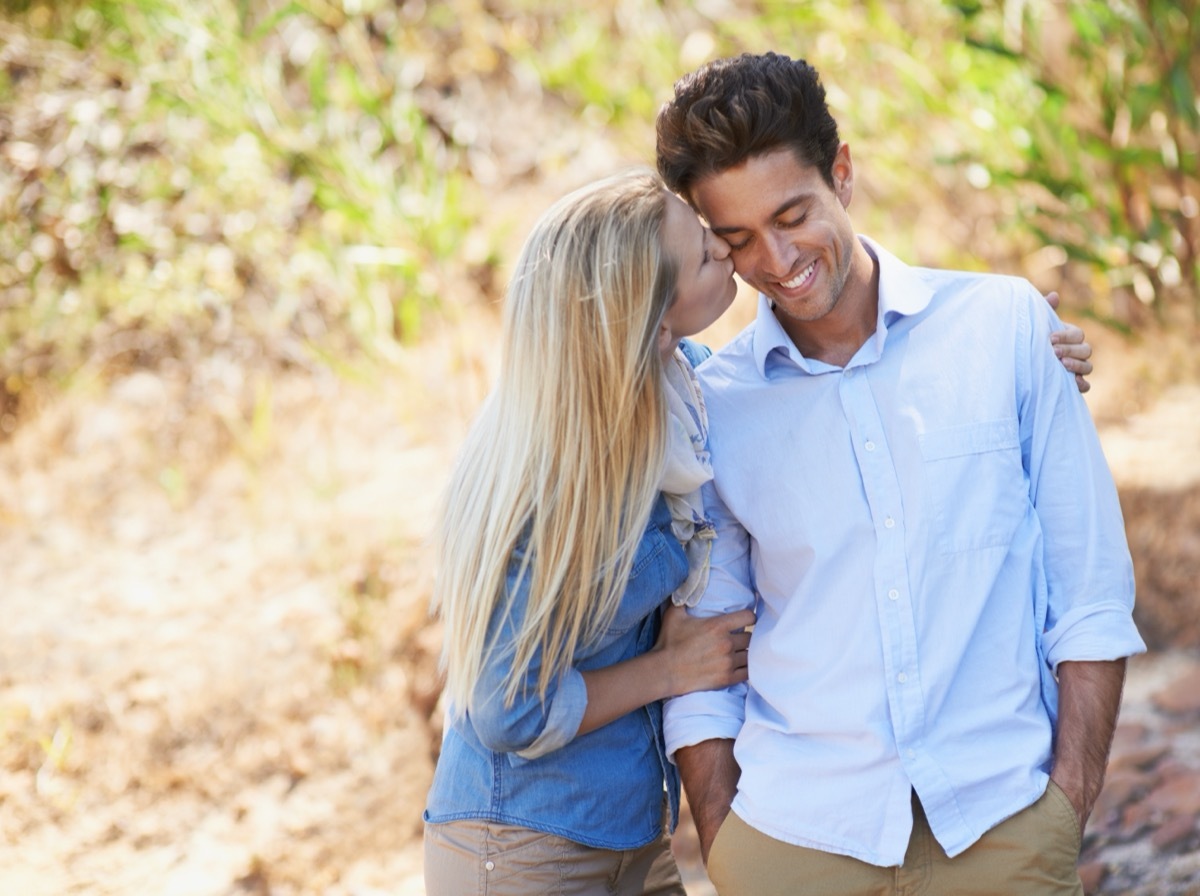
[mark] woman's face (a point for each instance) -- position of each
(705, 286)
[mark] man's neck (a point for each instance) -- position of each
(836, 337)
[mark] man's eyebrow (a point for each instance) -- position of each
(782, 209)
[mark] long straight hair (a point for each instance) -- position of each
(562, 465)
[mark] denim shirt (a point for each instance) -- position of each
(523, 764)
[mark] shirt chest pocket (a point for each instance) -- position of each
(975, 484)
(651, 579)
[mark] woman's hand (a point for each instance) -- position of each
(691, 654)
(702, 654)
(1071, 348)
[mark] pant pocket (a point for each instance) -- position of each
(717, 860)
(1067, 809)
(520, 860)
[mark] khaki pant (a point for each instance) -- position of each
(1034, 853)
(466, 857)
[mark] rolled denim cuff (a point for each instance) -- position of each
(563, 719)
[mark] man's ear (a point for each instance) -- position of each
(843, 175)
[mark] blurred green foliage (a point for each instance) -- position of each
(299, 181)
(185, 179)
(1097, 130)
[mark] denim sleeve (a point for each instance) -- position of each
(529, 726)
(532, 725)
(1089, 573)
(563, 718)
(695, 352)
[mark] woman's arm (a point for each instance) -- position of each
(691, 654)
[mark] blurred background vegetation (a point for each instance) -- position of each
(292, 183)
(251, 253)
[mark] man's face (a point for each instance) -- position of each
(788, 231)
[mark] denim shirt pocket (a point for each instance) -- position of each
(975, 484)
(655, 566)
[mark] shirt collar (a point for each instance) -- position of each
(902, 292)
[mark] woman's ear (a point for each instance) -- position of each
(666, 339)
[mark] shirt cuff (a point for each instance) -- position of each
(705, 715)
(1093, 633)
(563, 719)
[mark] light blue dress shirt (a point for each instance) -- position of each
(926, 533)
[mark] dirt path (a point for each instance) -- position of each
(216, 676)
(216, 670)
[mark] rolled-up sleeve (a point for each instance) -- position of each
(532, 725)
(707, 715)
(1089, 572)
(563, 718)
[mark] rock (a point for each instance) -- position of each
(1139, 758)
(1173, 832)
(1121, 786)
(1135, 819)
(1177, 794)
(1181, 696)
(1129, 736)
(1092, 874)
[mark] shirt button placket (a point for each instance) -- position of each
(880, 480)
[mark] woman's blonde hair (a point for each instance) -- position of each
(562, 465)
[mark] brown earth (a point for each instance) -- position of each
(217, 674)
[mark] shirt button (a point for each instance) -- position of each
(912, 754)
(849, 371)
(893, 594)
(902, 678)
(870, 446)
(889, 522)
(490, 866)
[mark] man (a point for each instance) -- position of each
(909, 490)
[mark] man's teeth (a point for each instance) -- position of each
(799, 278)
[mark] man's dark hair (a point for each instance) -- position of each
(729, 110)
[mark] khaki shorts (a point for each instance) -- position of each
(473, 856)
(1034, 853)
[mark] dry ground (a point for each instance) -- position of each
(217, 673)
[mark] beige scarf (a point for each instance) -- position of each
(688, 467)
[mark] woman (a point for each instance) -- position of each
(572, 513)
(557, 549)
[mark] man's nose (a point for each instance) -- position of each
(777, 255)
